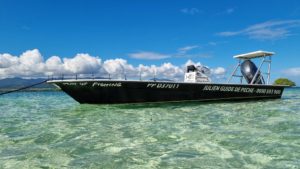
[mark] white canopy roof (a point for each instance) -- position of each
(253, 55)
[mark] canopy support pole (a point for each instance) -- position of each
(258, 70)
(234, 71)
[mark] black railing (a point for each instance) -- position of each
(109, 76)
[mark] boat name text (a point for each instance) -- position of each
(100, 84)
(97, 84)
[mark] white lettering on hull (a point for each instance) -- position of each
(163, 85)
(107, 84)
(95, 84)
(70, 83)
(239, 89)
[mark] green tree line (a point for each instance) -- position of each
(284, 81)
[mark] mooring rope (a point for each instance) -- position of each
(23, 88)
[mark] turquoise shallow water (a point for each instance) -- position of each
(50, 130)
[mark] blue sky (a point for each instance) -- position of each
(155, 32)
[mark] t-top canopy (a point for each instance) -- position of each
(253, 55)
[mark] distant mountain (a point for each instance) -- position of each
(19, 82)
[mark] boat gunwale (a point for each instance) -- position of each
(152, 81)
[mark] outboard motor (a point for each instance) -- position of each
(248, 70)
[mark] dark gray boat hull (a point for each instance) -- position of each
(116, 92)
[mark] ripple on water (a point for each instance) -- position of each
(50, 130)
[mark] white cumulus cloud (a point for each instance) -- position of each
(82, 63)
(54, 66)
(170, 70)
(6, 60)
(118, 68)
(28, 64)
(31, 64)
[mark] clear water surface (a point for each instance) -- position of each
(51, 130)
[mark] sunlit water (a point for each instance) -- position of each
(51, 130)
